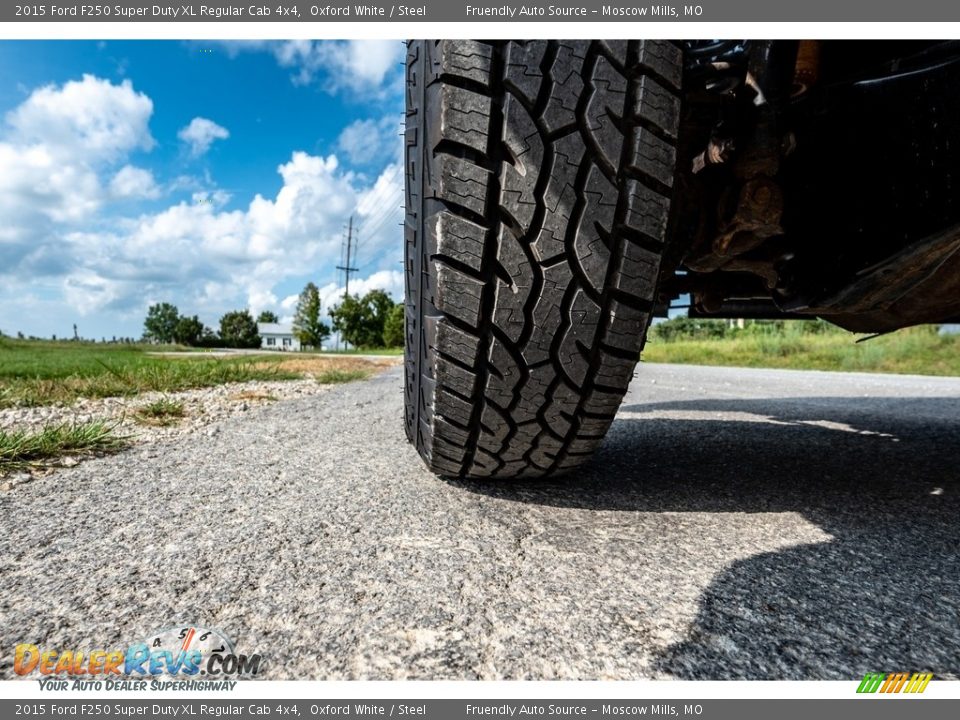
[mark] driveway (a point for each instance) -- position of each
(736, 524)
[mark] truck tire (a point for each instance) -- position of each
(538, 184)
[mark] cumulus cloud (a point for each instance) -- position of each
(352, 64)
(200, 135)
(36, 189)
(90, 119)
(289, 303)
(134, 182)
(371, 141)
(361, 67)
(390, 281)
(57, 143)
(208, 257)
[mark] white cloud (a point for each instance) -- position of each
(86, 291)
(36, 189)
(259, 299)
(390, 281)
(134, 182)
(386, 193)
(372, 141)
(353, 64)
(218, 198)
(362, 67)
(89, 119)
(58, 142)
(201, 133)
(208, 259)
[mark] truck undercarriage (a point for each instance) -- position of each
(819, 179)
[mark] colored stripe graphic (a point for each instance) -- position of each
(871, 681)
(918, 683)
(894, 682)
(188, 639)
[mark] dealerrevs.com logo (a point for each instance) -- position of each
(181, 658)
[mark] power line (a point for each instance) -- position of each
(388, 216)
(383, 221)
(390, 177)
(382, 197)
(385, 204)
(375, 222)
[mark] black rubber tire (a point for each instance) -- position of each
(538, 182)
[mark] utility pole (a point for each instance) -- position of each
(346, 272)
(346, 268)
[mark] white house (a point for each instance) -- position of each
(275, 336)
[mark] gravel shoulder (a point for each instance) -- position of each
(204, 409)
(735, 524)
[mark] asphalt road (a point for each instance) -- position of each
(736, 524)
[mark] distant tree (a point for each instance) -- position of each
(267, 317)
(361, 321)
(238, 330)
(684, 328)
(209, 338)
(380, 306)
(161, 323)
(348, 318)
(307, 326)
(395, 327)
(189, 331)
(19, 335)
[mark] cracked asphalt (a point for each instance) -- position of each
(736, 524)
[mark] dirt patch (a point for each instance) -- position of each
(253, 395)
(318, 365)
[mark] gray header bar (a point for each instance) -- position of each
(480, 11)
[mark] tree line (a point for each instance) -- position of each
(164, 324)
(371, 321)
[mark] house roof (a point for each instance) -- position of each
(274, 329)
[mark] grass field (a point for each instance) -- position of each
(918, 351)
(43, 372)
(39, 372)
(22, 450)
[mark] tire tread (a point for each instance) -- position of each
(538, 196)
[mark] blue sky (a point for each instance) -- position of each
(212, 175)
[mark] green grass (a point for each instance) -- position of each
(919, 351)
(43, 372)
(20, 450)
(160, 412)
(329, 377)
